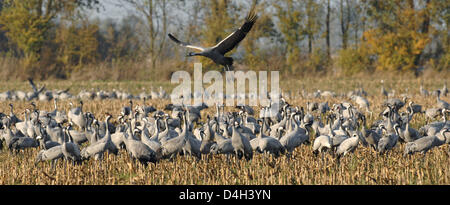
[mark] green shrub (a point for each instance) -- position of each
(352, 61)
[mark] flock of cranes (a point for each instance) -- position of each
(44, 95)
(149, 135)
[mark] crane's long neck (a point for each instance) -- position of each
(156, 134)
(208, 127)
(166, 124)
(185, 126)
(11, 111)
(107, 134)
(131, 109)
(96, 133)
(129, 135)
(226, 131)
(331, 129)
(396, 127)
(217, 111)
(443, 138)
(264, 126)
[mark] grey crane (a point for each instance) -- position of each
(223, 145)
(152, 142)
(410, 134)
(147, 109)
(362, 102)
(348, 146)
(371, 136)
(241, 145)
(77, 116)
(338, 138)
(383, 90)
(21, 143)
(59, 116)
(319, 127)
(321, 144)
(51, 154)
(444, 90)
(35, 92)
(12, 116)
(207, 137)
(23, 126)
(432, 113)
(96, 149)
(441, 103)
(7, 135)
(118, 139)
(263, 143)
(434, 127)
(174, 146)
(294, 138)
(110, 146)
(192, 145)
(16, 143)
(426, 143)
(312, 106)
(395, 103)
(127, 110)
(388, 141)
(138, 150)
(70, 150)
(217, 52)
(44, 140)
(167, 133)
(270, 145)
(323, 107)
(423, 92)
(414, 108)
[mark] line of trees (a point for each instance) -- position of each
(52, 38)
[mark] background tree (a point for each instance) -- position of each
(155, 15)
(290, 18)
(27, 23)
(397, 39)
(328, 30)
(55, 38)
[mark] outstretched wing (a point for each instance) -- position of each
(230, 42)
(32, 85)
(184, 44)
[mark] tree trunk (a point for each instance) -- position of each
(424, 29)
(344, 27)
(310, 39)
(328, 28)
(151, 33)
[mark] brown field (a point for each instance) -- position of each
(363, 167)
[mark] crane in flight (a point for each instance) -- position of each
(217, 52)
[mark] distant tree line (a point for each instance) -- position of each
(52, 38)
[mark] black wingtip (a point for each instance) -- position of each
(252, 15)
(173, 38)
